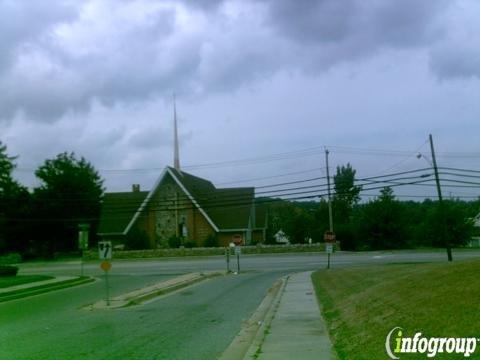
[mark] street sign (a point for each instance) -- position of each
(105, 250)
(238, 250)
(329, 248)
(329, 237)
(83, 236)
(106, 265)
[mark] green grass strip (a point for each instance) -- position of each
(17, 294)
(7, 281)
(362, 304)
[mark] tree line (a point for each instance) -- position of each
(382, 223)
(43, 221)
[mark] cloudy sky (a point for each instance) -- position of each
(261, 86)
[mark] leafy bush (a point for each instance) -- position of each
(211, 241)
(174, 241)
(11, 258)
(190, 244)
(8, 270)
(137, 240)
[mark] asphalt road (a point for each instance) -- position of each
(196, 323)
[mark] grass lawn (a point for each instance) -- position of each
(6, 281)
(362, 304)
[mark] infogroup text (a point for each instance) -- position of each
(396, 344)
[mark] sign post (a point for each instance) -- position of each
(329, 238)
(238, 251)
(227, 255)
(105, 254)
(82, 242)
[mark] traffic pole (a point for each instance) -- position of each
(227, 254)
(238, 263)
(106, 288)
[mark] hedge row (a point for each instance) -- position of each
(11, 258)
(8, 270)
(155, 253)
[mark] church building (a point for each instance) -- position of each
(185, 207)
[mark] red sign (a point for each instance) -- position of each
(237, 239)
(329, 236)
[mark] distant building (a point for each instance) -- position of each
(184, 206)
(475, 240)
(281, 238)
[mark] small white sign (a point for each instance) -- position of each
(105, 250)
(329, 248)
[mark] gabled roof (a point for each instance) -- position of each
(230, 208)
(118, 210)
(260, 215)
(224, 209)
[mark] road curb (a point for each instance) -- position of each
(140, 296)
(248, 341)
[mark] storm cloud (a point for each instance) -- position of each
(98, 77)
(130, 51)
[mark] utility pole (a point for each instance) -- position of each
(440, 200)
(329, 248)
(330, 216)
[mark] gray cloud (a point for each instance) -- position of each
(458, 56)
(456, 62)
(24, 21)
(333, 31)
(113, 52)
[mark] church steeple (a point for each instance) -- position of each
(176, 152)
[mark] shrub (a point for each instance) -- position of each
(8, 270)
(137, 240)
(11, 258)
(211, 241)
(190, 244)
(174, 241)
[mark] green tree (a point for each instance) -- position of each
(346, 196)
(344, 183)
(70, 194)
(14, 207)
(455, 225)
(381, 223)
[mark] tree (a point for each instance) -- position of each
(70, 194)
(14, 206)
(345, 189)
(386, 195)
(381, 223)
(454, 225)
(347, 194)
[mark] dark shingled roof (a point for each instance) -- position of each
(118, 210)
(260, 215)
(230, 208)
(227, 208)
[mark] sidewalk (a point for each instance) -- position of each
(297, 331)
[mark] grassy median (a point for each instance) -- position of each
(362, 304)
(7, 281)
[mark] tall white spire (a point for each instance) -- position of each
(176, 152)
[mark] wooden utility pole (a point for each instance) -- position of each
(330, 215)
(440, 201)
